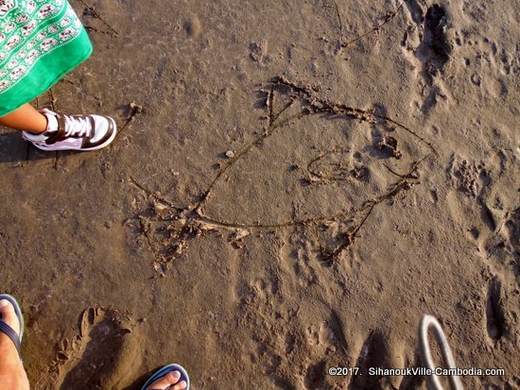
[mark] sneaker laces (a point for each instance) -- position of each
(77, 126)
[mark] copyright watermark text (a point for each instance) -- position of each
(416, 371)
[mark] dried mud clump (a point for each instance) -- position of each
(387, 145)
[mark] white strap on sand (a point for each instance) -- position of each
(434, 382)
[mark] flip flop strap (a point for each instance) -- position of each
(11, 333)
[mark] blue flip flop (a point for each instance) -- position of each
(165, 370)
(6, 329)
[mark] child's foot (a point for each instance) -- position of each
(74, 132)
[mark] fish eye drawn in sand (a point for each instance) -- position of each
(370, 160)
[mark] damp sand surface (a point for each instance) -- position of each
(295, 185)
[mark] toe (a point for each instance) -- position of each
(8, 315)
(166, 381)
(180, 386)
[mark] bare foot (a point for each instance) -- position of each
(12, 373)
(170, 379)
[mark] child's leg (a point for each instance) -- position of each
(25, 118)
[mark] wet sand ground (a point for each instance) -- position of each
(296, 183)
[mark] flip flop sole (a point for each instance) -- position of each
(165, 370)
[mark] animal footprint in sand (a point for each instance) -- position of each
(102, 355)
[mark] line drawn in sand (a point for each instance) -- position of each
(92, 12)
(387, 18)
(168, 228)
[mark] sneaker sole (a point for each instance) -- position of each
(65, 148)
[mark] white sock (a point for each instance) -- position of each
(52, 122)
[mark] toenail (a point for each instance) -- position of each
(174, 376)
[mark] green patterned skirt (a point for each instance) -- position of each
(40, 41)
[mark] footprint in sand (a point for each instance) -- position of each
(329, 348)
(103, 355)
(504, 242)
(378, 350)
(374, 353)
(484, 206)
(428, 47)
(315, 376)
(495, 311)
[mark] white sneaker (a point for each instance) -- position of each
(74, 132)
